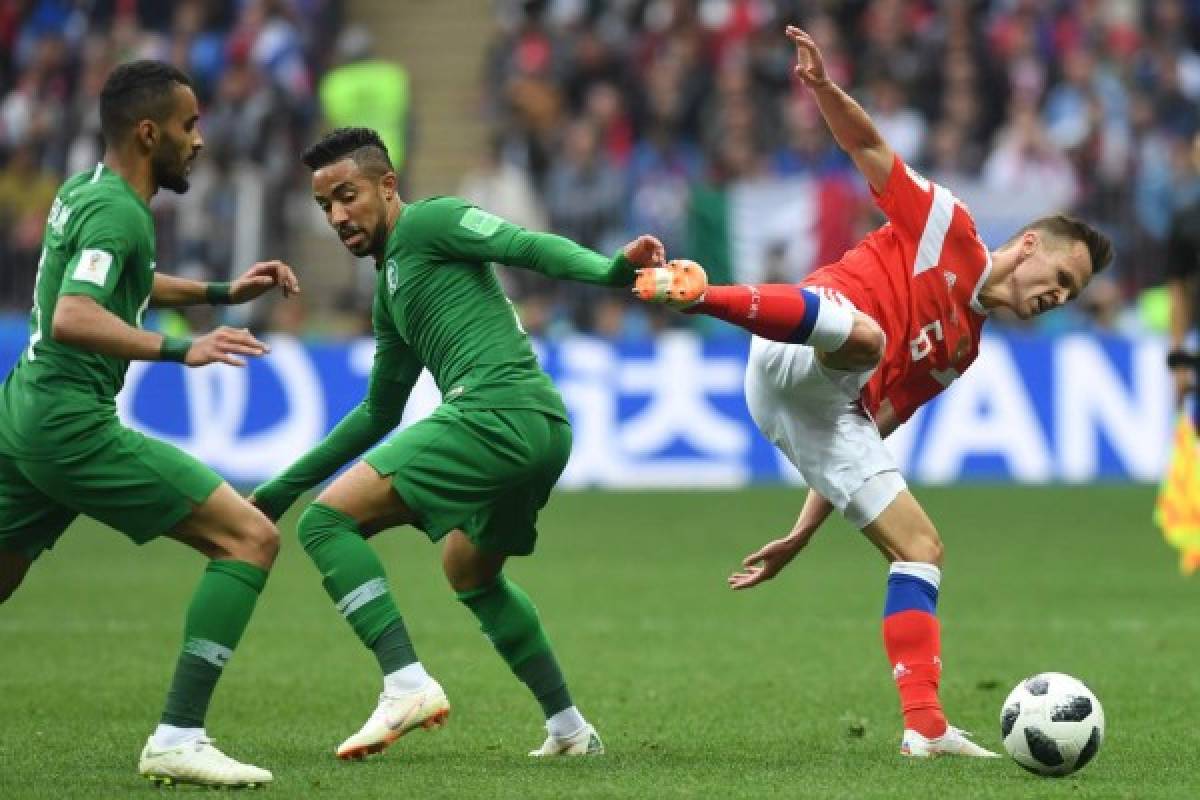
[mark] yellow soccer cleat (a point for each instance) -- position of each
(679, 284)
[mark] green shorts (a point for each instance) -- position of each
(487, 473)
(138, 485)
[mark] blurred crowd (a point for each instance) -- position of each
(610, 118)
(255, 65)
(620, 117)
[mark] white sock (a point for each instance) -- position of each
(833, 324)
(406, 679)
(166, 736)
(565, 723)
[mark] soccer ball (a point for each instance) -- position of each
(1052, 724)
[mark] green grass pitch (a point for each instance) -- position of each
(783, 691)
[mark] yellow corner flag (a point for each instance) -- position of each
(1177, 511)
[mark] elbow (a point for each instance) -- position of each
(383, 419)
(63, 327)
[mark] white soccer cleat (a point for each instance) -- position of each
(199, 763)
(396, 715)
(953, 742)
(584, 743)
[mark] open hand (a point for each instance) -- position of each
(261, 278)
(223, 346)
(766, 562)
(810, 67)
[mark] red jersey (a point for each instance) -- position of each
(919, 277)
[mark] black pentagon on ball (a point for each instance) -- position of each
(1089, 750)
(1043, 748)
(1073, 709)
(1008, 719)
(1037, 686)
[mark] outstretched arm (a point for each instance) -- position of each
(453, 229)
(81, 322)
(766, 562)
(847, 121)
(395, 372)
(171, 291)
(557, 257)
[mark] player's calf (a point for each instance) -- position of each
(821, 318)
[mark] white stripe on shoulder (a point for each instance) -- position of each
(96, 174)
(929, 251)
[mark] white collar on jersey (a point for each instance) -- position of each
(977, 306)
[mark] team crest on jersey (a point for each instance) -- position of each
(393, 279)
(951, 278)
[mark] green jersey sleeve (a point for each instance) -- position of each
(393, 375)
(101, 243)
(455, 230)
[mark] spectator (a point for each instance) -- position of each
(584, 192)
(502, 188)
(364, 91)
(251, 70)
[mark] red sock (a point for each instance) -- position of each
(913, 643)
(774, 311)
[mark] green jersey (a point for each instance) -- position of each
(98, 242)
(439, 305)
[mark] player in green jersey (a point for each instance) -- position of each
(63, 451)
(474, 474)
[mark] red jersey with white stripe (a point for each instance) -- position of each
(919, 277)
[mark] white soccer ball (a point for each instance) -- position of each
(1052, 724)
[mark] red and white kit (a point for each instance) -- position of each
(919, 277)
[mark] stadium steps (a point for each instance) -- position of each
(442, 45)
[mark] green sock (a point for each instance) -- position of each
(354, 579)
(510, 620)
(215, 620)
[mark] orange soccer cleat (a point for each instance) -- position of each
(679, 284)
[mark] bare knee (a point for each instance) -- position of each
(251, 538)
(466, 566)
(863, 349)
(925, 547)
(257, 542)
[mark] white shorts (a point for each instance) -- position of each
(813, 415)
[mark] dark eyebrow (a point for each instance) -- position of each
(339, 187)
